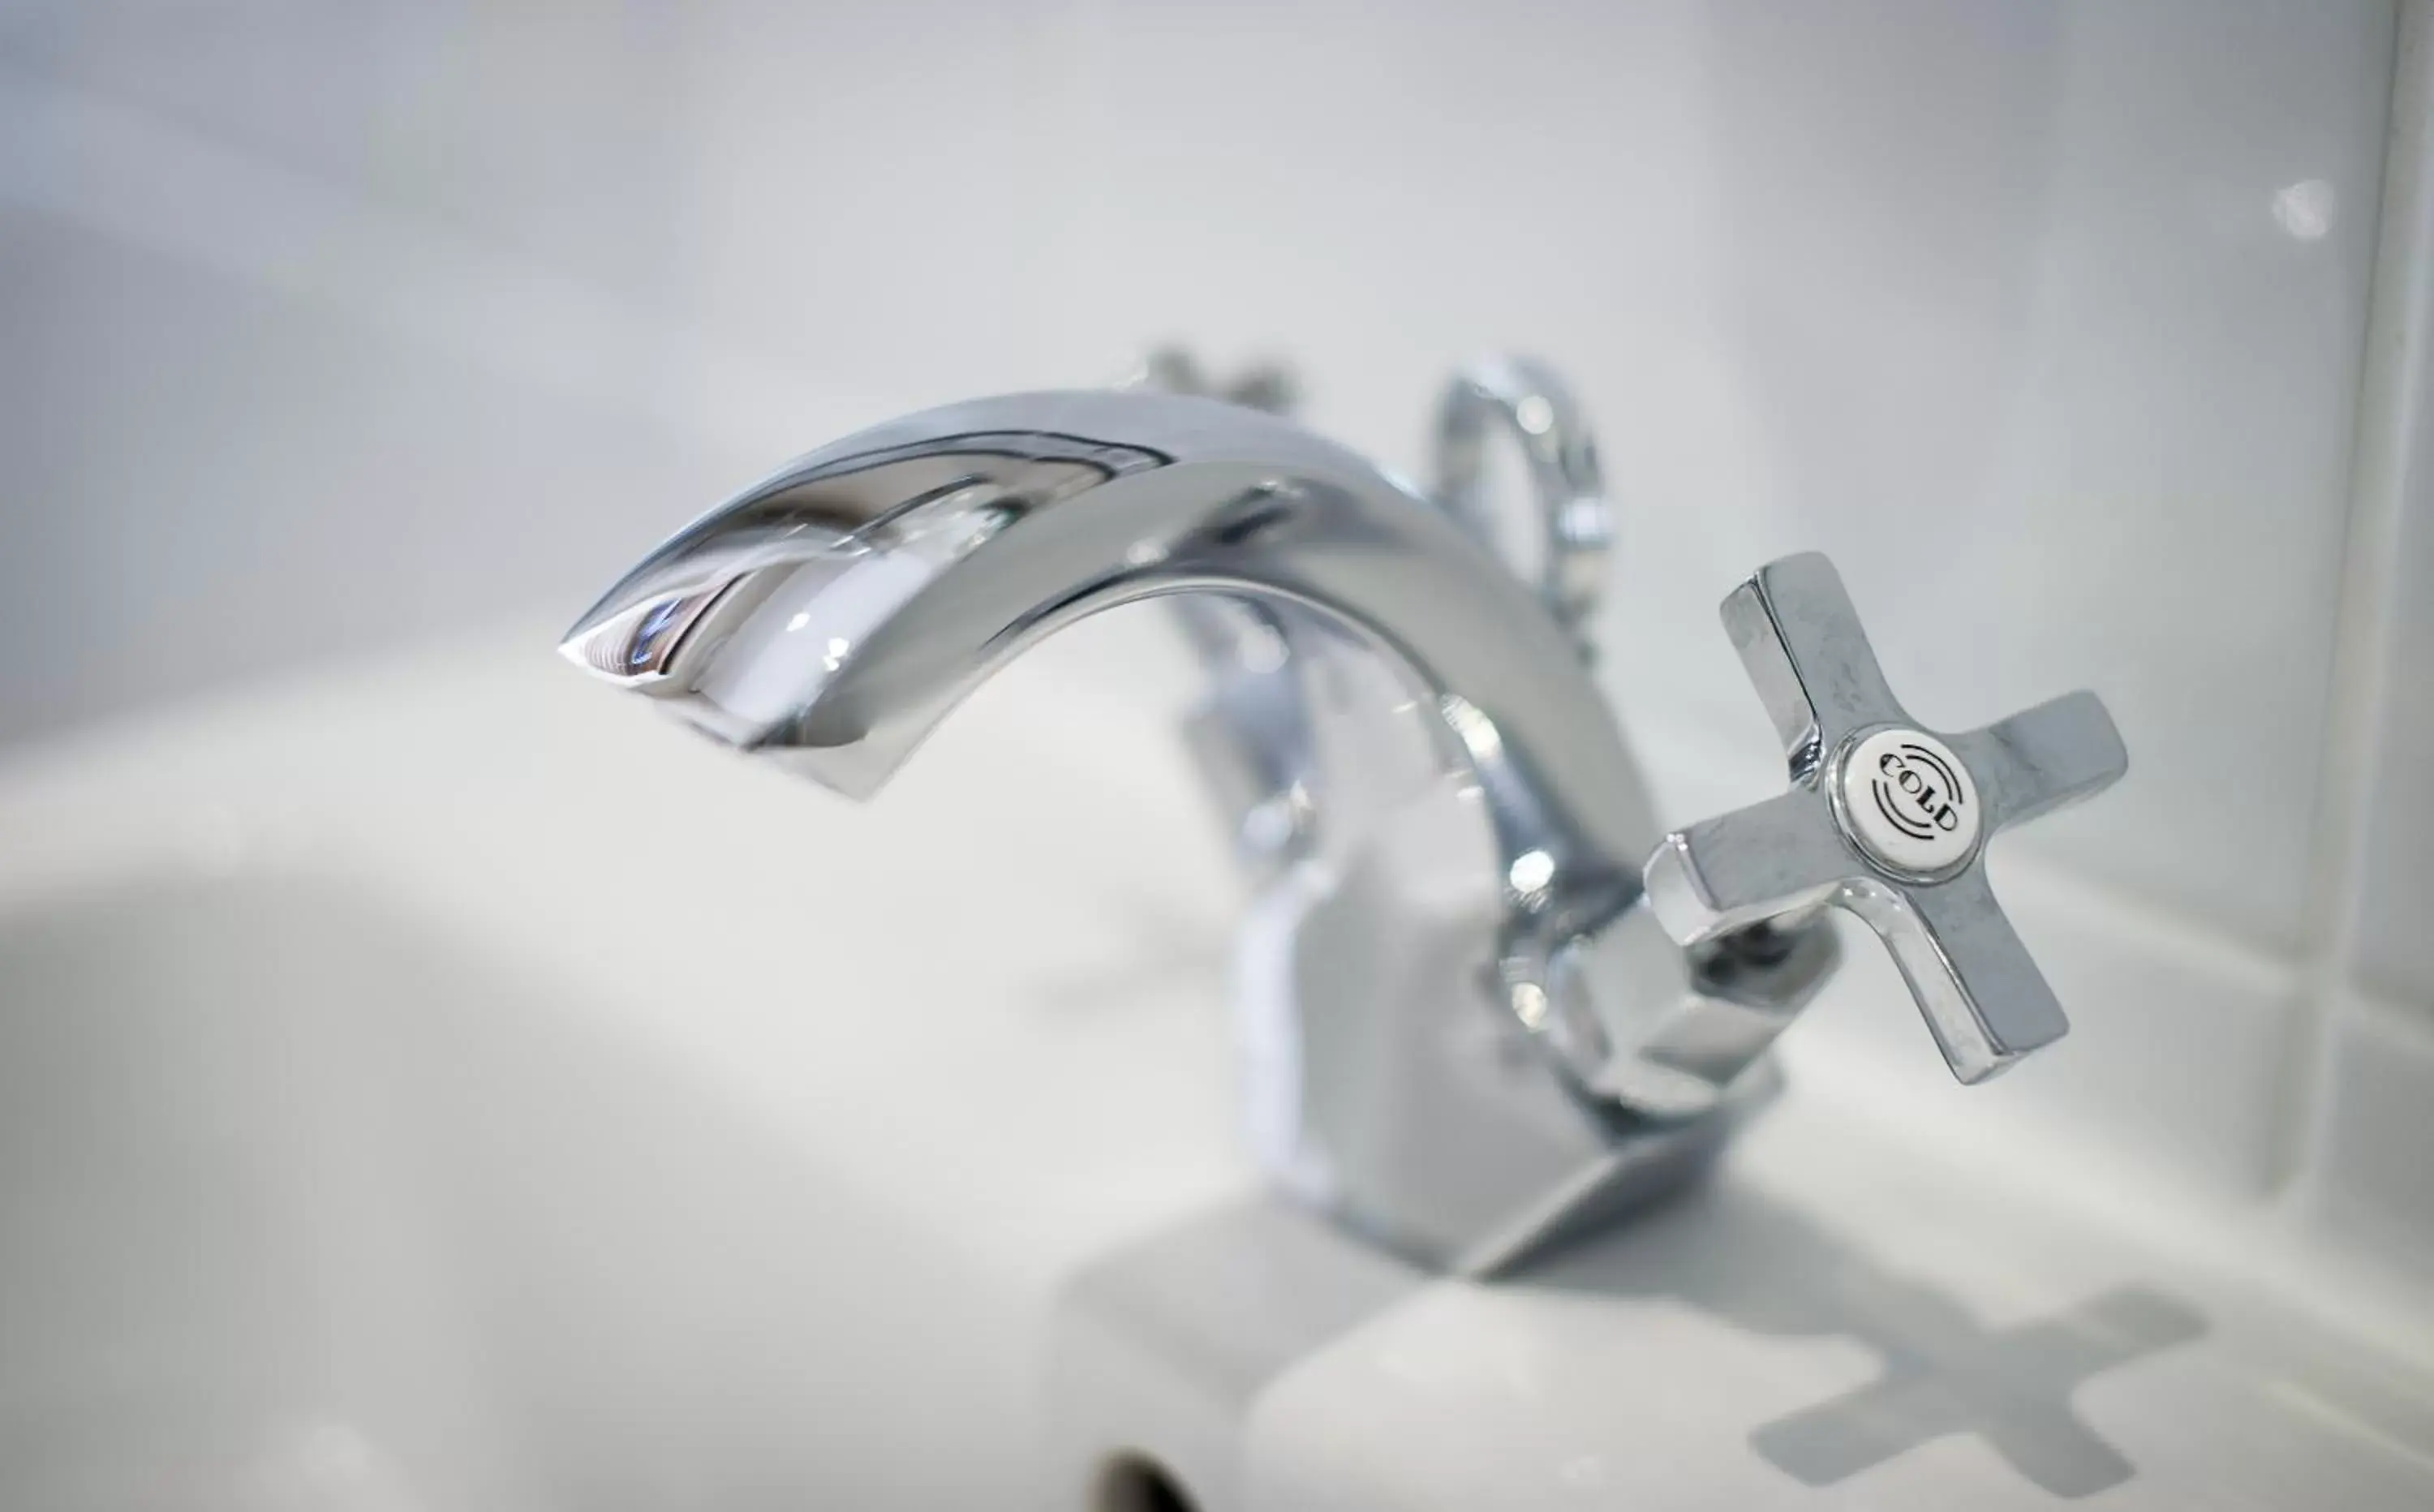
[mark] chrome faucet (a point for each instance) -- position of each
(1466, 1038)
(1256, 737)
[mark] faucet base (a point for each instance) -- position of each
(1389, 1087)
(1638, 1168)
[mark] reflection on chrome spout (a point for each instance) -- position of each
(830, 616)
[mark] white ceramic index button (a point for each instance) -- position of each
(1908, 802)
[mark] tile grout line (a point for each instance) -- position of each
(2383, 460)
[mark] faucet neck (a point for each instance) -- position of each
(833, 615)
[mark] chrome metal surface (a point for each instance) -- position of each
(1465, 1031)
(831, 616)
(1533, 406)
(1252, 736)
(1278, 677)
(1386, 1089)
(1885, 819)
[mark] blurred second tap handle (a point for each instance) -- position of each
(1885, 819)
(1270, 387)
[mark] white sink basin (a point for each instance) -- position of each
(458, 1089)
(376, 1132)
(314, 1204)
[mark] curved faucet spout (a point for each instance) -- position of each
(831, 616)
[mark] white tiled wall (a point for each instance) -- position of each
(324, 328)
(2396, 885)
(2363, 1176)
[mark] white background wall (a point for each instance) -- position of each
(2063, 328)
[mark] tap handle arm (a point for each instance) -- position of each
(1886, 818)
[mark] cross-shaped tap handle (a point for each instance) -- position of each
(1886, 818)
